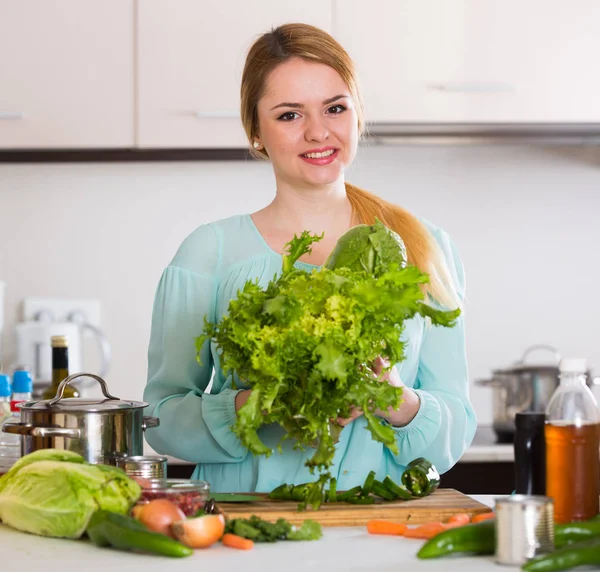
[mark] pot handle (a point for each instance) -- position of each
(530, 349)
(67, 380)
(43, 432)
(494, 382)
(150, 422)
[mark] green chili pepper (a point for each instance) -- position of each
(361, 500)
(398, 491)
(420, 477)
(331, 494)
(368, 485)
(382, 491)
(126, 533)
(350, 493)
(575, 532)
(578, 554)
(282, 492)
(479, 538)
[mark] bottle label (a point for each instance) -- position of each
(15, 405)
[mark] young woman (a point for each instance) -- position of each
(301, 109)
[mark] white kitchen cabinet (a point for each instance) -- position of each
(190, 56)
(474, 60)
(66, 74)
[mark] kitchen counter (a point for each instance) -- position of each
(347, 549)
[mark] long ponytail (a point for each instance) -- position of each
(421, 248)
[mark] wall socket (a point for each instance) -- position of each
(60, 309)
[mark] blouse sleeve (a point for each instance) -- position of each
(445, 424)
(194, 425)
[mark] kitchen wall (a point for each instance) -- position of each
(525, 221)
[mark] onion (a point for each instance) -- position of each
(158, 515)
(200, 532)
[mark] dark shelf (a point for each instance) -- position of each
(121, 155)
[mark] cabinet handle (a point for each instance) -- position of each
(11, 115)
(217, 115)
(475, 87)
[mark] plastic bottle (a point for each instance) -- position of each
(572, 434)
(10, 444)
(22, 388)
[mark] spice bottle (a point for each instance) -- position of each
(572, 434)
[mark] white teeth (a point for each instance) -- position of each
(319, 155)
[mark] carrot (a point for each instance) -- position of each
(459, 518)
(483, 516)
(425, 531)
(386, 527)
(235, 541)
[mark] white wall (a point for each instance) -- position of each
(525, 221)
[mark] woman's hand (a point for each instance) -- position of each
(241, 398)
(396, 417)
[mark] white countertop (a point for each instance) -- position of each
(347, 549)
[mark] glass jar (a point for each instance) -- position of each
(188, 495)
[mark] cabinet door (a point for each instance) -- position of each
(66, 73)
(190, 59)
(474, 60)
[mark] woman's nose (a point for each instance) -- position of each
(316, 129)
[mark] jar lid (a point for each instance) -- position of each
(83, 405)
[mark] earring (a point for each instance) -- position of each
(256, 145)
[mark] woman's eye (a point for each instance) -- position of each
(288, 116)
(336, 109)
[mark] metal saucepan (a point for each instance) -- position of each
(100, 430)
(523, 387)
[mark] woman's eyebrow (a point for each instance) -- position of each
(301, 106)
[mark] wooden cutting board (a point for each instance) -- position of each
(439, 506)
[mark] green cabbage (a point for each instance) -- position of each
(373, 249)
(54, 493)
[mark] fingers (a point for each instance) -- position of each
(354, 413)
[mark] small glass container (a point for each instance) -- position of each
(524, 528)
(188, 495)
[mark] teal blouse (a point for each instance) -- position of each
(196, 408)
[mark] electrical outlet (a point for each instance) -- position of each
(59, 309)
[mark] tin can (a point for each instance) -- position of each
(524, 528)
(144, 467)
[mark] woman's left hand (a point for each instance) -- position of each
(396, 417)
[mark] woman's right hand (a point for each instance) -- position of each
(241, 398)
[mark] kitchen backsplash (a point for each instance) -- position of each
(525, 221)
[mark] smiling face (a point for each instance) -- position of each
(307, 123)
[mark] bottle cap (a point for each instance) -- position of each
(5, 389)
(573, 365)
(59, 341)
(22, 382)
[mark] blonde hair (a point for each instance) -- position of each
(315, 45)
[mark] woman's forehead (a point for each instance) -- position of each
(300, 81)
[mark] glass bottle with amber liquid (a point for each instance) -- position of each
(60, 368)
(572, 434)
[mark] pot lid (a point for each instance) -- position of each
(80, 404)
(83, 405)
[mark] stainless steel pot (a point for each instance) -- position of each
(100, 430)
(523, 387)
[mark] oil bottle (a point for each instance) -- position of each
(572, 435)
(60, 368)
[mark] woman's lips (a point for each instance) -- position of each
(321, 160)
